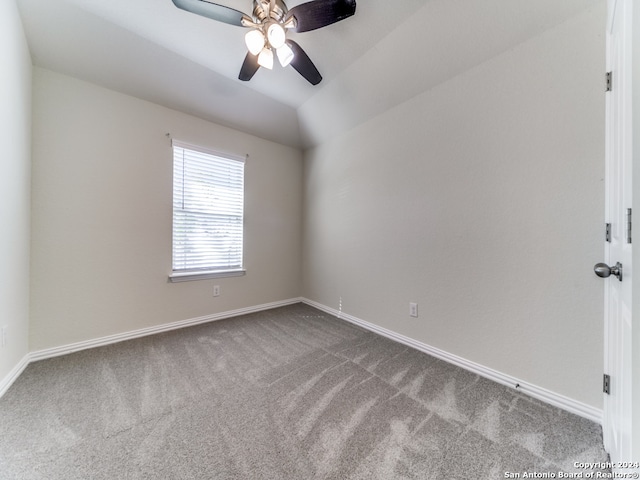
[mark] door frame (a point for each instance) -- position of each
(635, 179)
(634, 68)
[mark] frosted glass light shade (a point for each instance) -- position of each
(285, 55)
(255, 41)
(265, 59)
(276, 35)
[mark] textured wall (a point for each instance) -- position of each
(482, 200)
(15, 165)
(102, 212)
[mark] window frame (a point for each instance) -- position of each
(185, 275)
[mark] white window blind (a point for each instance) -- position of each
(208, 204)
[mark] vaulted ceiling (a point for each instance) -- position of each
(389, 52)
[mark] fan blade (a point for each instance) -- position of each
(212, 10)
(303, 64)
(320, 13)
(249, 67)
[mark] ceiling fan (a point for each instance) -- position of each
(269, 24)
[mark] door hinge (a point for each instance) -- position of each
(606, 384)
(607, 232)
(608, 81)
(629, 224)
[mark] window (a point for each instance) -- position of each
(208, 204)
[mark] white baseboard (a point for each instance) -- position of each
(13, 375)
(547, 396)
(143, 332)
(6, 382)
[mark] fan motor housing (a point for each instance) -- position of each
(277, 13)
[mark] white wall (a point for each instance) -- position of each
(15, 165)
(482, 200)
(102, 169)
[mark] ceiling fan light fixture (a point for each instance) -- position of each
(255, 41)
(265, 59)
(276, 35)
(285, 55)
(268, 25)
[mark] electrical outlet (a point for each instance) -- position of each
(413, 309)
(216, 290)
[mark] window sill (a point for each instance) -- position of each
(204, 275)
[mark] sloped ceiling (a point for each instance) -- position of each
(386, 54)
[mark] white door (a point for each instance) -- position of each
(617, 404)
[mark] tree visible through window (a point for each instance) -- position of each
(208, 204)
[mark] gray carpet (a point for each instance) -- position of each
(290, 393)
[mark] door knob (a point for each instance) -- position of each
(603, 270)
